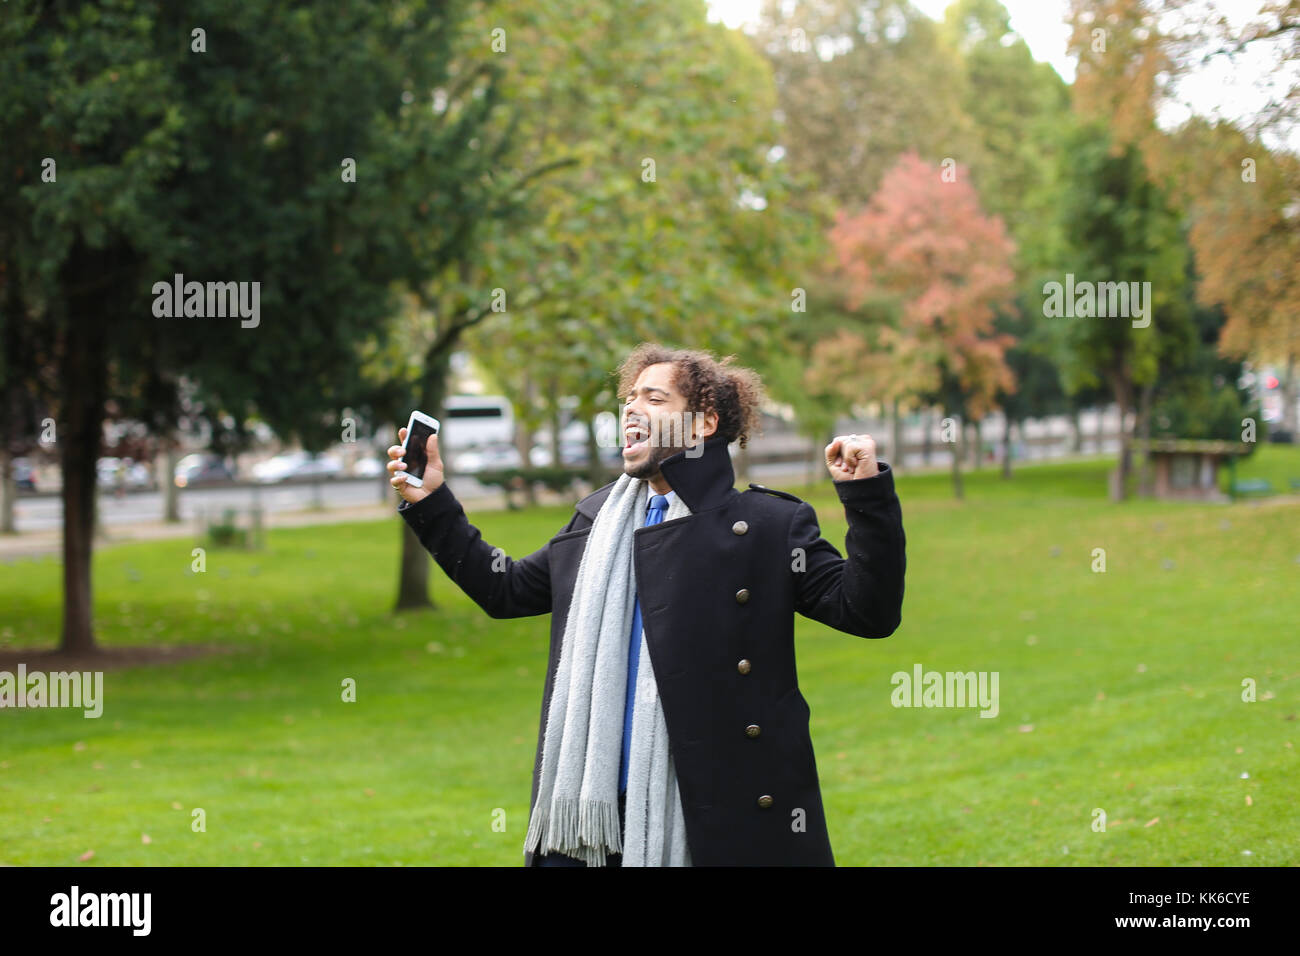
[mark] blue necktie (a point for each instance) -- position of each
(658, 507)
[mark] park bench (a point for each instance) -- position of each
(1251, 486)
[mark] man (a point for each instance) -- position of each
(672, 727)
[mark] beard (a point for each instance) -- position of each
(650, 467)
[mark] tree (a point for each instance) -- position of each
(670, 219)
(1240, 197)
(1243, 203)
(924, 240)
(1198, 394)
(1125, 68)
(1019, 107)
(636, 196)
(860, 82)
(286, 146)
(1037, 392)
(1122, 230)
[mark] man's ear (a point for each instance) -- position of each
(705, 425)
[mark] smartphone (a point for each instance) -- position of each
(418, 430)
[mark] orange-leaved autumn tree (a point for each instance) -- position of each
(1244, 210)
(924, 242)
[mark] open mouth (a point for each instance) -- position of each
(635, 439)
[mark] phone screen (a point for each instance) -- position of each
(416, 457)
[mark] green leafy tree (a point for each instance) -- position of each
(668, 216)
(1019, 107)
(1121, 229)
(288, 145)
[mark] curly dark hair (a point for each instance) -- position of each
(709, 385)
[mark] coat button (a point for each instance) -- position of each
(740, 527)
(765, 801)
(743, 666)
(742, 595)
(753, 730)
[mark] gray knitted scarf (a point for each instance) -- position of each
(577, 796)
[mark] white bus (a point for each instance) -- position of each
(477, 421)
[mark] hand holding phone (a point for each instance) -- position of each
(416, 465)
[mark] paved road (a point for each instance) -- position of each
(139, 515)
(45, 512)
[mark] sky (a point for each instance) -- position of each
(1040, 22)
(1218, 89)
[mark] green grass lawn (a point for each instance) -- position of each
(1119, 691)
(1277, 464)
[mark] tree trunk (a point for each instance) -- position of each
(524, 445)
(524, 436)
(926, 423)
(171, 494)
(977, 446)
(1076, 432)
(12, 409)
(957, 449)
(82, 381)
(1100, 437)
(1006, 447)
(896, 439)
(595, 470)
(557, 421)
(1124, 467)
(413, 589)
(742, 463)
(8, 492)
(1144, 433)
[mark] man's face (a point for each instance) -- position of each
(656, 423)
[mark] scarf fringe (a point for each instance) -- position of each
(577, 828)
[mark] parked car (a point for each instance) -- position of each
(122, 472)
(202, 469)
(573, 454)
(367, 468)
(24, 474)
(297, 464)
(487, 458)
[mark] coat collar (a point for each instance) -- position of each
(704, 481)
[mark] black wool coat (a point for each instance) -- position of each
(719, 589)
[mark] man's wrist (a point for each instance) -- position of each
(428, 509)
(879, 485)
